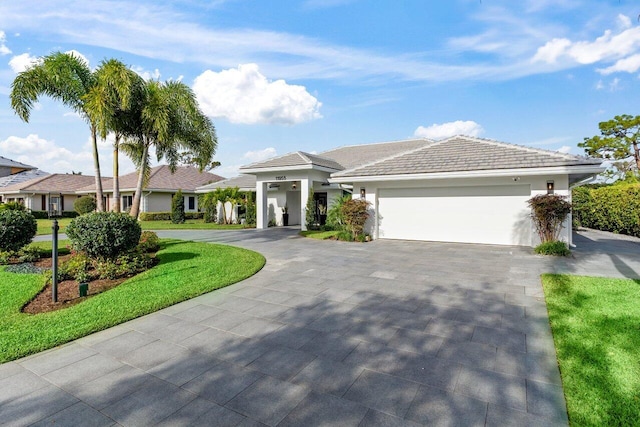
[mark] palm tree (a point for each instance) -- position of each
(109, 103)
(66, 78)
(170, 120)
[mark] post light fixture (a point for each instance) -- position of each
(550, 187)
(363, 192)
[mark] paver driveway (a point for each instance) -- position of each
(328, 333)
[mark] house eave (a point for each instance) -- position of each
(255, 171)
(586, 169)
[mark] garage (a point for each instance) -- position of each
(474, 214)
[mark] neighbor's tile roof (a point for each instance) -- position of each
(297, 158)
(462, 153)
(21, 177)
(240, 181)
(185, 178)
(54, 183)
(13, 164)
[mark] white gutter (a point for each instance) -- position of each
(583, 182)
(471, 174)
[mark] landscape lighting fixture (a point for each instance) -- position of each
(549, 187)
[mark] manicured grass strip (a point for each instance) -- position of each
(596, 329)
(192, 224)
(186, 270)
(320, 235)
(44, 225)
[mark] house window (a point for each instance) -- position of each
(127, 201)
(54, 205)
(43, 202)
(192, 203)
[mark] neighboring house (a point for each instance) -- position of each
(246, 183)
(159, 189)
(51, 193)
(12, 172)
(460, 189)
(11, 167)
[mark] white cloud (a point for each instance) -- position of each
(20, 63)
(630, 64)
(624, 21)
(145, 74)
(244, 95)
(258, 155)
(46, 155)
(609, 46)
(564, 149)
(4, 50)
(445, 130)
(599, 85)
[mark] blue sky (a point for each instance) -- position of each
(312, 75)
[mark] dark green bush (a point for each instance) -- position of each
(177, 208)
(29, 253)
(553, 248)
(84, 205)
(104, 235)
(250, 214)
(581, 206)
(149, 242)
(17, 228)
(12, 206)
(616, 209)
(73, 267)
(45, 214)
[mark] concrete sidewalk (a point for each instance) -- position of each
(328, 333)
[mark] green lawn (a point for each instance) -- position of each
(596, 329)
(186, 269)
(44, 225)
(320, 235)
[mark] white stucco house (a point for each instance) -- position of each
(460, 189)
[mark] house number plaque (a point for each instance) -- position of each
(281, 178)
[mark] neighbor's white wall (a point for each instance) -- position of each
(538, 186)
(156, 202)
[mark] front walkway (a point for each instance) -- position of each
(328, 333)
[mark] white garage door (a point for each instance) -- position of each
(489, 214)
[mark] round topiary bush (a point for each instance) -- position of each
(104, 235)
(17, 228)
(84, 205)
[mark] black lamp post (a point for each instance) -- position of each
(54, 260)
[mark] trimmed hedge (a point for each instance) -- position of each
(45, 214)
(104, 235)
(166, 216)
(614, 208)
(17, 229)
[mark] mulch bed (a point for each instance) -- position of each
(68, 293)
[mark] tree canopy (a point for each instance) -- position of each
(619, 142)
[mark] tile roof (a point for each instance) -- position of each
(463, 153)
(21, 177)
(51, 183)
(185, 178)
(13, 164)
(297, 158)
(240, 181)
(357, 155)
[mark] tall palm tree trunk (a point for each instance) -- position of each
(116, 175)
(135, 205)
(96, 167)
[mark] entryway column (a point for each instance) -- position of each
(262, 213)
(305, 186)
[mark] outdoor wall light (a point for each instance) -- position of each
(294, 186)
(549, 187)
(363, 192)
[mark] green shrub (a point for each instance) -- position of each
(581, 206)
(29, 253)
(5, 257)
(84, 205)
(335, 220)
(45, 214)
(125, 265)
(104, 235)
(310, 213)
(615, 208)
(12, 206)
(250, 214)
(345, 236)
(74, 266)
(177, 208)
(24, 268)
(553, 248)
(17, 229)
(548, 212)
(355, 213)
(149, 242)
(209, 204)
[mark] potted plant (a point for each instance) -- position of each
(322, 212)
(285, 215)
